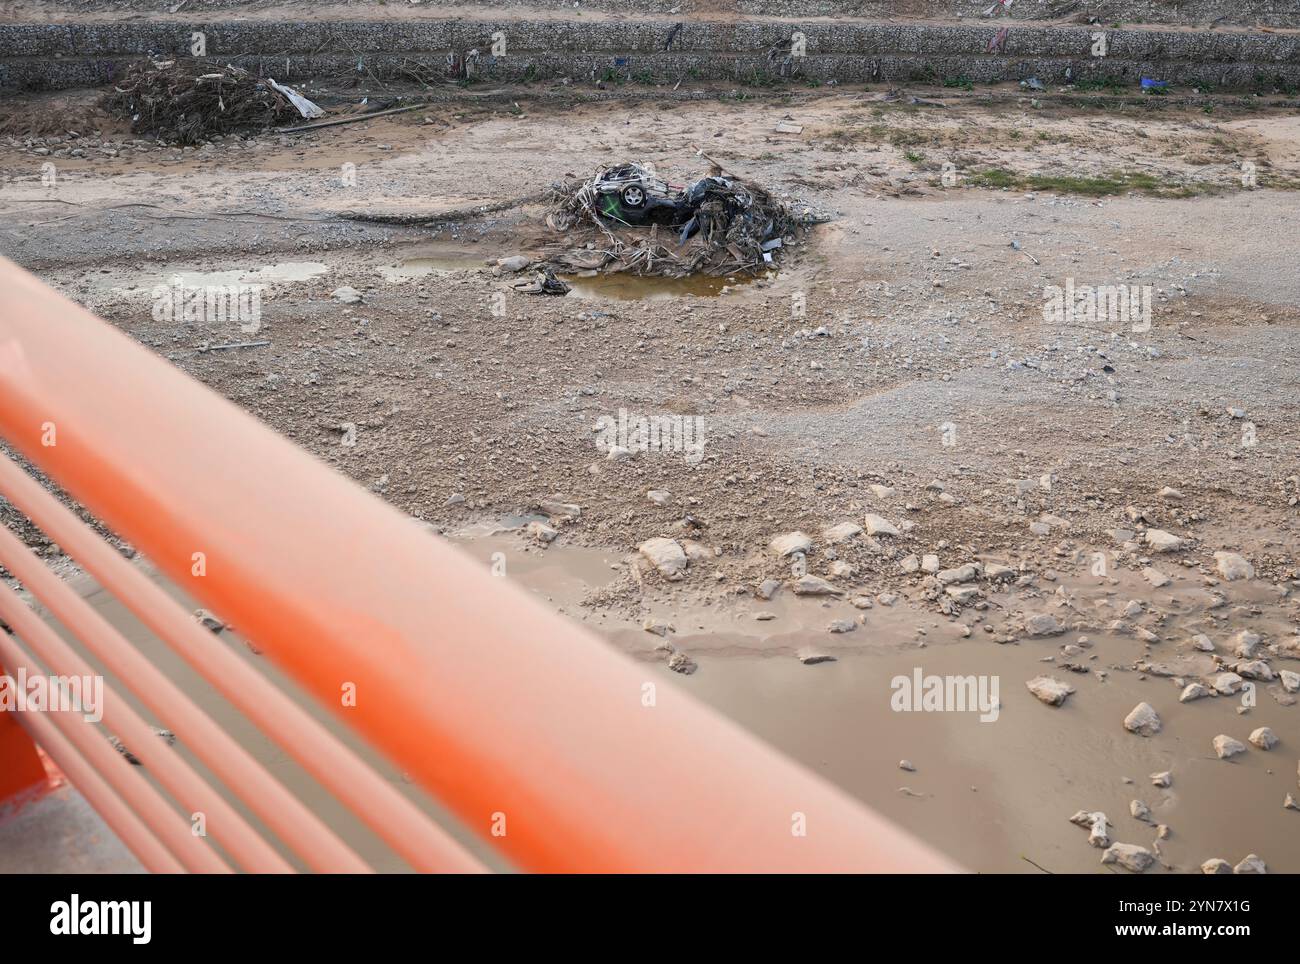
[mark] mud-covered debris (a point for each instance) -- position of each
(166, 735)
(544, 282)
(191, 100)
(627, 218)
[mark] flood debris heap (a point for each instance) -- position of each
(627, 218)
(188, 101)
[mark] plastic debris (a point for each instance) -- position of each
(305, 107)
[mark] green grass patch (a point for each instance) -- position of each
(1116, 182)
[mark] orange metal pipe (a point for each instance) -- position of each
(87, 750)
(137, 836)
(171, 771)
(282, 812)
(528, 726)
(393, 817)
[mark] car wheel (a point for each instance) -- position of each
(633, 196)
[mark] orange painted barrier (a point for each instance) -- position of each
(22, 774)
(538, 736)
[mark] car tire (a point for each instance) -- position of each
(633, 196)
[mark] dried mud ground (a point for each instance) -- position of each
(922, 366)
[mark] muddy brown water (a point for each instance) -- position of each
(994, 794)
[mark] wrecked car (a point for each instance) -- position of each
(720, 223)
(633, 194)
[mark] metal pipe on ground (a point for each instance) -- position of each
(537, 733)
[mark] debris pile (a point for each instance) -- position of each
(627, 218)
(188, 101)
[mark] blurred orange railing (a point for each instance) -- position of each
(531, 730)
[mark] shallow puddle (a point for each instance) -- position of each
(286, 271)
(411, 269)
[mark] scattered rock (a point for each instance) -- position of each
(789, 543)
(997, 571)
(1129, 856)
(681, 663)
(764, 616)
(666, 555)
(810, 657)
(1290, 803)
(1250, 864)
(659, 496)
(810, 585)
(1192, 691)
(1142, 720)
(1290, 680)
(1216, 865)
(1161, 541)
(963, 594)
(1226, 683)
(1043, 624)
(906, 765)
(1157, 578)
(837, 534)
(841, 626)
(1255, 669)
(930, 563)
(1264, 738)
(541, 533)
(768, 588)
(1162, 779)
(879, 526)
(966, 573)
(659, 627)
(1140, 811)
(1226, 747)
(910, 564)
(560, 510)
(1051, 691)
(1245, 644)
(515, 262)
(696, 552)
(881, 491)
(1095, 821)
(1231, 566)
(346, 295)
(1203, 643)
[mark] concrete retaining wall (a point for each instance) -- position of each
(1271, 13)
(44, 56)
